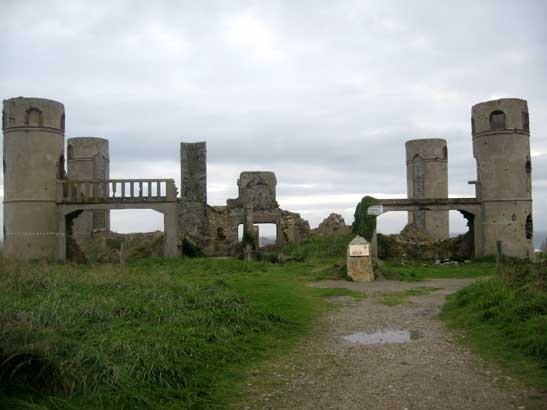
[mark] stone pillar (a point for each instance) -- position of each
(192, 211)
(256, 234)
(170, 231)
(427, 177)
(34, 131)
(501, 147)
(359, 260)
(248, 232)
(88, 158)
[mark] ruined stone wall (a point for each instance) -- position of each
(292, 228)
(258, 187)
(334, 224)
(222, 233)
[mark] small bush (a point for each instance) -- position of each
(364, 224)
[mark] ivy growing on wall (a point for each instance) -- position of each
(364, 225)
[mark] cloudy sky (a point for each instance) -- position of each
(323, 93)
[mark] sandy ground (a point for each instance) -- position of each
(432, 371)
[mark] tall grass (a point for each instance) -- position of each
(319, 248)
(506, 318)
(167, 333)
(415, 271)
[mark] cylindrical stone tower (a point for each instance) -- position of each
(88, 158)
(427, 177)
(33, 161)
(501, 147)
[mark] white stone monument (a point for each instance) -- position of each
(359, 260)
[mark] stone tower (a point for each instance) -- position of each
(427, 177)
(501, 147)
(34, 131)
(193, 199)
(88, 158)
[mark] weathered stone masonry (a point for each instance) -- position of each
(50, 214)
(502, 207)
(215, 228)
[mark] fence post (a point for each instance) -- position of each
(123, 255)
(499, 259)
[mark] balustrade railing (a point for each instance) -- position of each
(116, 190)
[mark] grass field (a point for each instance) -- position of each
(505, 319)
(182, 333)
(165, 334)
(415, 271)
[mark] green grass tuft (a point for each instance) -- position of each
(411, 272)
(401, 298)
(164, 334)
(506, 320)
(319, 249)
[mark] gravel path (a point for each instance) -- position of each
(431, 371)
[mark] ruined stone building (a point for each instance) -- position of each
(502, 207)
(46, 208)
(215, 228)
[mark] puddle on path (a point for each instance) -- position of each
(381, 337)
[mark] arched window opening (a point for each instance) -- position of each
(220, 234)
(33, 116)
(4, 120)
(525, 121)
(529, 227)
(472, 125)
(445, 152)
(528, 167)
(497, 120)
(62, 125)
(70, 152)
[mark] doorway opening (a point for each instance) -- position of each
(267, 234)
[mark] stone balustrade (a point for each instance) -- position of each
(116, 190)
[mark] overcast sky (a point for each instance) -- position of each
(323, 93)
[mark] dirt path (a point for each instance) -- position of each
(431, 371)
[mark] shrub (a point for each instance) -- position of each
(364, 224)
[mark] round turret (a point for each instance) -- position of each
(33, 162)
(427, 177)
(88, 158)
(501, 147)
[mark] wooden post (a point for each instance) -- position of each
(499, 259)
(123, 255)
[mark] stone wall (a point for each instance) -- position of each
(334, 224)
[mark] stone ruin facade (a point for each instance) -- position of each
(45, 208)
(214, 229)
(501, 209)
(52, 212)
